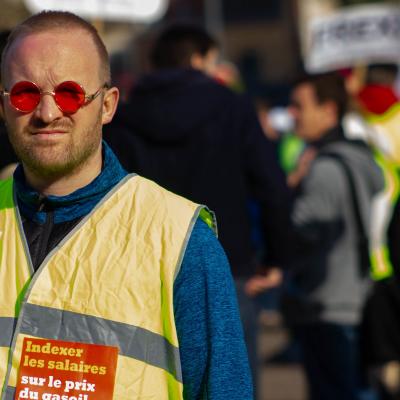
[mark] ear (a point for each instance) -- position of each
(110, 103)
(331, 110)
(197, 61)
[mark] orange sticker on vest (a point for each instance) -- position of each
(58, 370)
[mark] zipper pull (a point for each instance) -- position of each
(42, 202)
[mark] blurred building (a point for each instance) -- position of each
(263, 38)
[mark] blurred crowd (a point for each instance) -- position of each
(306, 197)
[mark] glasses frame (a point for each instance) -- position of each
(88, 98)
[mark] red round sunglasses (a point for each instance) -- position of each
(69, 96)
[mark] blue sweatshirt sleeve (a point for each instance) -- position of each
(213, 354)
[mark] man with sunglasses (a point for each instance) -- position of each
(94, 261)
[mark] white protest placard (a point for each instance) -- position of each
(354, 35)
(116, 10)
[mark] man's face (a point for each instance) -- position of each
(48, 141)
(312, 119)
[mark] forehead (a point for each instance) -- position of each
(52, 55)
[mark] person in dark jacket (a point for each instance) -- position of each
(199, 139)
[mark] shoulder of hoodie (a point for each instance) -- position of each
(357, 154)
(355, 151)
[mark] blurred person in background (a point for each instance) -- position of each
(329, 279)
(377, 103)
(329, 276)
(198, 138)
(8, 159)
(278, 126)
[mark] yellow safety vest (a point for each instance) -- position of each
(387, 140)
(116, 267)
(381, 266)
(387, 137)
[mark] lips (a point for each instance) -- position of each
(49, 132)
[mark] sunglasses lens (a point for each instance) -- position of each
(69, 96)
(25, 96)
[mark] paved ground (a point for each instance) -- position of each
(278, 381)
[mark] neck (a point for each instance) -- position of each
(65, 184)
(333, 134)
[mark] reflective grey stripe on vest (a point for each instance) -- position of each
(135, 342)
(7, 326)
(9, 393)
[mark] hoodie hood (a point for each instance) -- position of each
(168, 105)
(360, 159)
(357, 155)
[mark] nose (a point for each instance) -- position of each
(47, 110)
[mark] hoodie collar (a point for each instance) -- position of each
(335, 134)
(34, 206)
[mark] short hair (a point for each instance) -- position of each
(177, 43)
(49, 20)
(328, 86)
(382, 74)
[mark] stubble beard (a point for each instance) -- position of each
(53, 161)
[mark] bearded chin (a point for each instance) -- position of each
(54, 160)
(58, 166)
